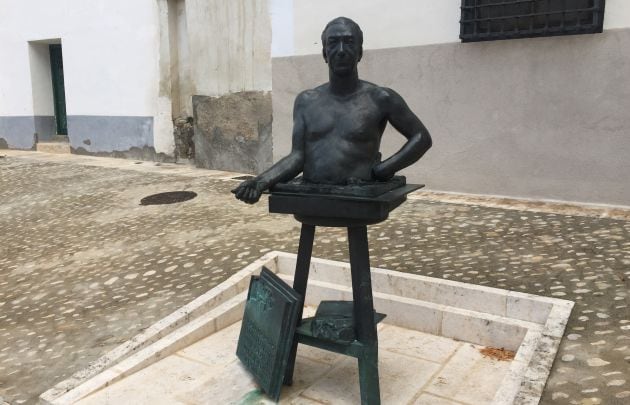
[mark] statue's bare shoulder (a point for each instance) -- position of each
(386, 98)
(306, 97)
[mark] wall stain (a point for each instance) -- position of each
(233, 132)
(183, 132)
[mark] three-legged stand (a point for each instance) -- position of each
(365, 347)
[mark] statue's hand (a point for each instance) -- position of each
(380, 173)
(250, 191)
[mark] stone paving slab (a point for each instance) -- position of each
(84, 267)
(209, 372)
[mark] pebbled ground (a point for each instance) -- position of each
(84, 267)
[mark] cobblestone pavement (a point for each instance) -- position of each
(84, 267)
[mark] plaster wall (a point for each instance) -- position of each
(181, 94)
(230, 61)
(392, 22)
(617, 14)
(282, 23)
(229, 46)
(233, 132)
(542, 118)
(163, 120)
(110, 50)
(106, 72)
(41, 80)
(297, 24)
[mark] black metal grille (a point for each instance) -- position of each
(487, 20)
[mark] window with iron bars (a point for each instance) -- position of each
(488, 20)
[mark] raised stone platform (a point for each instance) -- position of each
(413, 365)
(431, 346)
(53, 147)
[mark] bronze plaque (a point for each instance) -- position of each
(267, 330)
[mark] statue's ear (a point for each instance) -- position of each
(324, 55)
(360, 54)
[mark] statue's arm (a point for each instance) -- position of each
(285, 169)
(410, 126)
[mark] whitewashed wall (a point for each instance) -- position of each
(297, 24)
(617, 14)
(41, 80)
(229, 45)
(120, 61)
(109, 49)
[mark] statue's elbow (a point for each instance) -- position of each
(423, 143)
(298, 159)
(296, 162)
(428, 142)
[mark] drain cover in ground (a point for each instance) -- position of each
(170, 197)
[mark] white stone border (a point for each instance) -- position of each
(531, 325)
(201, 314)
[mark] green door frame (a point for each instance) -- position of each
(59, 93)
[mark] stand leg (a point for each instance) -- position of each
(299, 285)
(364, 315)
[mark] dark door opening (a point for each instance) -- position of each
(59, 93)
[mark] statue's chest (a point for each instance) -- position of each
(349, 120)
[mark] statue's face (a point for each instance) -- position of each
(342, 52)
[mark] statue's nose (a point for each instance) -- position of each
(341, 49)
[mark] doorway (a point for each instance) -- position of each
(59, 93)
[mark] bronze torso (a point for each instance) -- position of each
(342, 134)
(337, 127)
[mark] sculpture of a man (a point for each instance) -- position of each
(337, 127)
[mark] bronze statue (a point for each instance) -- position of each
(337, 127)
(337, 130)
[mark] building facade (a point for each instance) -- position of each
(129, 70)
(213, 81)
(541, 118)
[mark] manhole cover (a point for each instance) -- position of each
(170, 197)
